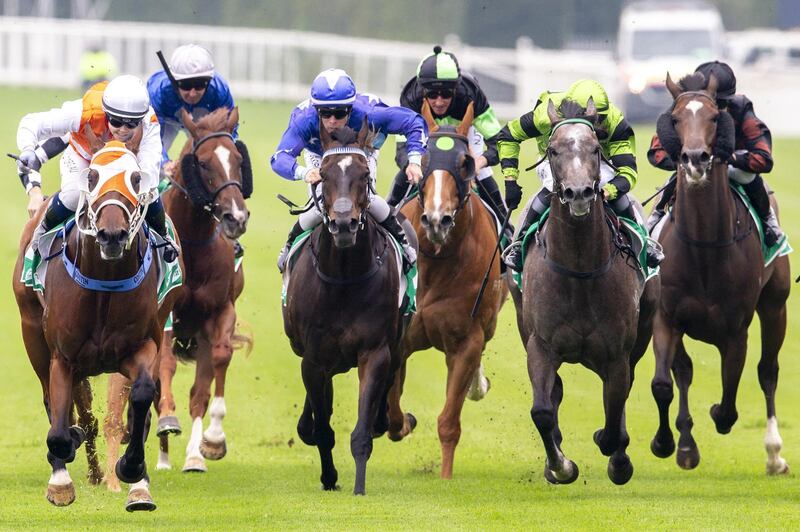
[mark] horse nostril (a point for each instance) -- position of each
(569, 194)
(102, 237)
(705, 157)
(122, 238)
(424, 220)
(353, 225)
(588, 193)
(447, 221)
(333, 227)
(685, 158)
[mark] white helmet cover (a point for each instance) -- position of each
(126, 97)
(191, 61)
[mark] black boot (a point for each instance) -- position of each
(56, 214)
(284, 254)
(490, 193)
(400, 188)
(156, 219)
(759, 197)
(624, 207)
(396, 230)
(661, 207)
(512, 256)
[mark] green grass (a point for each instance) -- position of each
(270, 479)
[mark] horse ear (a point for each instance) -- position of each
(233, 119)
(95, 144)
(92, 177)
(188, 123)
(591, 109)
(672, 87)
(324, 136)
(466, 122)
(363, 133)
(428, 116)
(712, 85)
(552, 113)
(466, 166)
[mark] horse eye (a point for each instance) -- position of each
(553, 153)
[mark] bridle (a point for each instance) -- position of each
(557, 182)
(462, 185)
(693, 95)
(319, 199)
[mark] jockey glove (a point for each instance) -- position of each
(513, 194)
(30, 159)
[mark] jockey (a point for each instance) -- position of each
(198, 89)
(449, 91)
(616, 140)
(334, 104)
(116, 110)
(753, 155)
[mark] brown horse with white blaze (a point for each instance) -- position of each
(714, 278)
(457, 238)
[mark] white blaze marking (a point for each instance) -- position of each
(345, 163)
(438, 175)
(694, 106)
(214, 433)
(224, 155)
(238, 214)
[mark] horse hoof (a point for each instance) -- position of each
(620, 473)
(722, 424)
(662, 450)
(213, 450)
(195, 464)
(552, 479)
(168, 425)
(687, 457)
(779, 467)
(139, 500)
(60, 494)
(129, 474)
(332, 487)
(412, 422)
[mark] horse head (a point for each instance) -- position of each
(449, 169)
(345, 181)
(574, 155)
(115, 203)
(216, 171)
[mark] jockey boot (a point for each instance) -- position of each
(653, 250)
(399, 189)
(512, 256)
(661, 207)
(156, 219)
(56, 214)
(284, 254)
(238, 249)
(396, 230)
(490, 193)
(759, 197)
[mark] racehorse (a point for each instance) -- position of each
(207, 207)
(99, 313)
(457, 237)
(582, 299)
(341, 308)
(714, 277)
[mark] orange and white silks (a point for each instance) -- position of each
(93, 115)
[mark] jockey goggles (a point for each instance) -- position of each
(117, 121)
(336, 112)
(436, 93)
(193, 83)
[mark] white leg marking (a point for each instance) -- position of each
(60, 477)
(163, 461)
(193, 447)
(224, 156)
(141, 485)
(773, 443)
(214, 433)
(479, 386)
(345, 163)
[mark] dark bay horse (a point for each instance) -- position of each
(341, 307)
(207, 206)
(457, 236)
(714, 277)
(99, 314)
(581, 301)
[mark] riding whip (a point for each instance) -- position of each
(167, 71)
(491, 263)
(657, 192)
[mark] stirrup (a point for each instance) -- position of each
(512, 256)
(654, 252)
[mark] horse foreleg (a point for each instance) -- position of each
(558, 469)
(87, 421)
(688, 456)
(373, 368)
(141, 369)
(400, 424)
(733, 353)
(319, 391)
(613, 439)
(167, 420)
(198, 404)
(665, 341)
(119, 388)
(62, 440)
(220, 333)
(462, 363)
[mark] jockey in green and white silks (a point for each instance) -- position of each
(448, 91)
(617, 141)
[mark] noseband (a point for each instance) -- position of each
(319, 202)
(212, 205)
(557, 184)
(692, 96)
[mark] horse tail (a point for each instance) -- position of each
(242, 339)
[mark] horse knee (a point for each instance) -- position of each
(449, 433)
(221, 354)
(543, 419)
(662, 391)
(142, 393)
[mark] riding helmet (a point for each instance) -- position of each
(191, 61)
(583, 89)
(439, 70)
(126, 97)
(726, 80)
(333, 88)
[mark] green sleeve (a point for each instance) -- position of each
(508, 140)
(621, 145)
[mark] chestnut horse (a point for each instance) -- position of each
(457, 238)
(714, 278)
(342, 305)
(582, 300)
(99, 314)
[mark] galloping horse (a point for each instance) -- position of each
(714, 277)
(206, 205)
(99, 313)
(457, 238)
(341, 306)
(581, 301)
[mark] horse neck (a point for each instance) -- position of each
(706, 212)
(191, 222)
(581, 245)
(347, 263)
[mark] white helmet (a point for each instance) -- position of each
(126, 96)
(191, 61)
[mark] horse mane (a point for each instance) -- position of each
(215, 121)
(572, 109)
(693, 82)
(345, 136)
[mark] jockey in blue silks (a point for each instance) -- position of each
(334, 103)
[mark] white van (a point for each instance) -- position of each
(658, 37)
